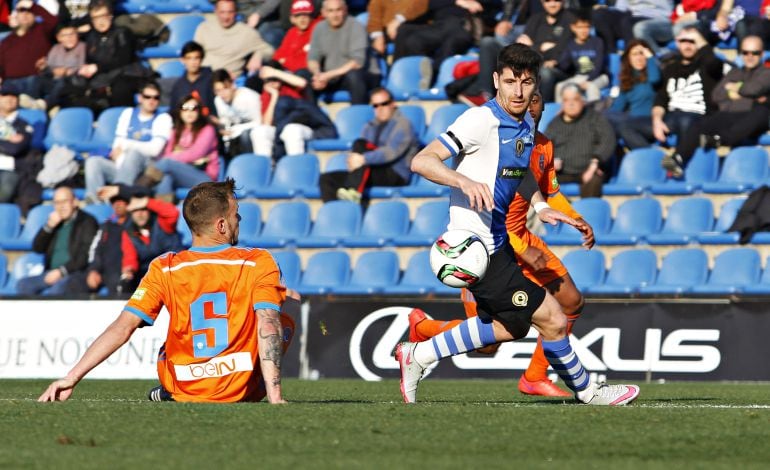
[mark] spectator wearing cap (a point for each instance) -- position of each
(23, 52)
(15, 137)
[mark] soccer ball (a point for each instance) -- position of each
(459, 258)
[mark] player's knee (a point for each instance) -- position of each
(550, 320)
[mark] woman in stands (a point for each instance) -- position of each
(630, 111)
(191, 154)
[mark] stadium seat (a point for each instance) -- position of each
(28, 264)
(429, 222)
(586, 267)
(337, 162)
(251, 222)
(324, 272)
(445, 76)
(639, 170)
(373, 271)
(418, 279)
(687, 217)
(286, 222)
(733, 270)
(423, 187)
(251, 173)
(382, 223)
(416, 116)
(744, 169)
(182, 228)
(100, 211)
(335, 221)
(104, 131)
(441, 119)
(3, 271)
(635, 219)
(595, 211)
(291, 268)
(36, 218)
(350, 123)
(763, 286)
(703, 167)
(294, 175)
(71, 127)
(613, 65)
(408, 76)
(181, 30)
(10, 214)
(550, 110)
(171, 69)
(720, 235)
(38, 119)
(630, 270)
(680, 271)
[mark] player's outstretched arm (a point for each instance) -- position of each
(269, 331)
(107, 343)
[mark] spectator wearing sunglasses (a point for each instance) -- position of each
(140, 136)
(743, 108)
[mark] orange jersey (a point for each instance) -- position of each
(211, 295)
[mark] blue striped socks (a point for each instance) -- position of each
(467, 336)
(566, 363)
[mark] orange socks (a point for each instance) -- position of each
(430, 328)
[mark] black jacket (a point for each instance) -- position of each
(754, 215)
(79, 243)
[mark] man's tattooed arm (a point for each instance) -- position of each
(269, 332)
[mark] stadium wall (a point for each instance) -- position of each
(354, 337)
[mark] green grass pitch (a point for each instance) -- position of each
(355, 424)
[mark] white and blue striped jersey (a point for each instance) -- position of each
(491, 147)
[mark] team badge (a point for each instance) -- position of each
(519, 147)
(554, 183)
(139, 293)
(520, 298)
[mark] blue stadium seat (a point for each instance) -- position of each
(324, 272)
(3, 271)
(586, 267)
(181, 192)
(613, 66)
(639, 170)
(286, 222)
(373, 272)
(251, 173)
(680, 271)
(171, 69)
(416, 116)
(727, 214)
(630, 270)
(104, 131)
(733, 270)
(182, 228)
(744, 169)
(550, 110)
(291, 268)
(337, 162)
(445, 76)
(10, 214)
(71, 127)
(441, 119)
(429, 222)
(100, 211)
(686, 219)
(335, 221)
(595, 211)
(763, 287)
(635, 219)
(38, 119)
(251, 222)
(406, 77)
(294, 175)
(181, 30)
(28, 264)
(36, 218)
(382, 223)
(703, 167)
(423, 187)
(419, 279)
(350, 123)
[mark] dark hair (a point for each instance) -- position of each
(176, 115)
(192, 46)
(581, 17)
(206, 202)
(150, 84)
(221, 76)
(628, 76)
(67, 25)
(381, 89)
(95, 4)
(519, 58)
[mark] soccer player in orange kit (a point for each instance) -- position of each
(226, 336)
(537, 261)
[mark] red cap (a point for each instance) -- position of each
(300, 7)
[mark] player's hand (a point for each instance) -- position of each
(534, 257)
(54, 219)
(553, 217)
(60, 390)
(479, 195)
(588, 233)
(137, 203)
(659, 130)
(93, 280)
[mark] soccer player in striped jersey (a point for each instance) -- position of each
(537, 262)
(492, 145)
(226, 335)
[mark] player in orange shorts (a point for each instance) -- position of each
(537, 262)
(226, 335)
